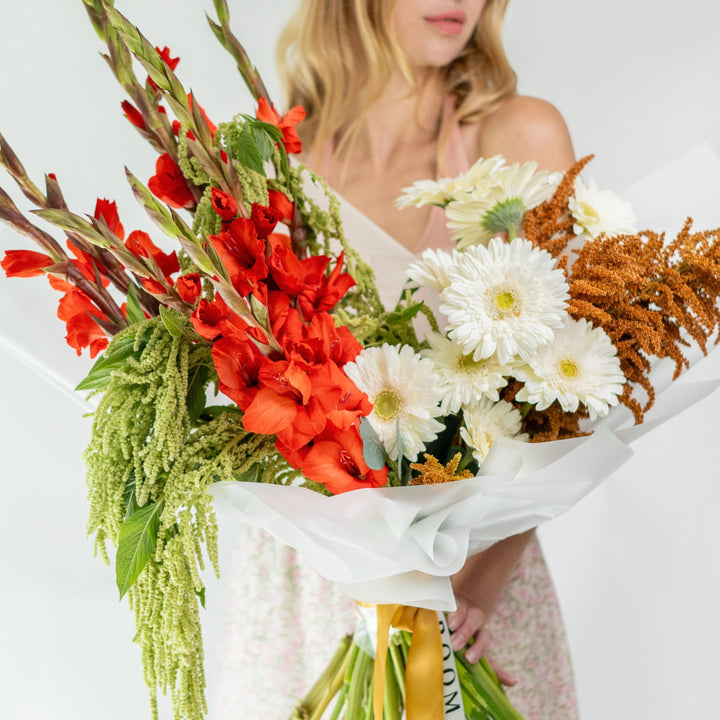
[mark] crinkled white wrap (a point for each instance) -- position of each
(401, 545)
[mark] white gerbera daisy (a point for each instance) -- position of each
(476, 217)
(486, 421)
(600, 212)
(579, 366)
(431, 270)
(464, 380)
(440, 192)
(402, 388)
(505, 299)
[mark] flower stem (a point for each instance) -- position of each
(398, 665)
(487, 686)
(331, 677)
(361, 671)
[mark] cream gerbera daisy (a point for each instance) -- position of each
(431, 270)
(486, 421)
(476, 217)
(579, 366)
(507, 299)
(404, 391)
(464, 380)
(600, 212)
(440, 192)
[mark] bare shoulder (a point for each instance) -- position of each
(525, 128)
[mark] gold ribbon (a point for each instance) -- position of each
(423, 672)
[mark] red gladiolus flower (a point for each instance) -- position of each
(338, 464)
(223, 204)
(278, 305)
(291, 274)
(326, 294)
(242, 253)
(153, 286)
(212, 319)
(318, 343)
(265, 219)
(107, 210)
(238, 363)
(176, 127)
(286, 123)
(87, 265)
(208, 318)
(189, 287)
(140, 245)
(294, 457)
(168, 184)
(25, 263)
(75, 309)
(171, 62)
(280, 202)
(283, 413)
(133, 114)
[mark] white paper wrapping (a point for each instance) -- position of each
(402, 545)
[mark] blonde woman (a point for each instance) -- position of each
(397, 91)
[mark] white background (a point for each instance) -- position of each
(636, 564)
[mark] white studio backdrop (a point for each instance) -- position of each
(635, 564)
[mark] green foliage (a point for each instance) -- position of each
(136, 544)
(116, 356)
(155, 450)
(134, 311)
(373, 450)
(207, 221)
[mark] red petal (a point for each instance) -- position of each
(25, 263)
(269, 413)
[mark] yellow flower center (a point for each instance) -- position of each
(589, 212)
(569, 368)
(466, 363)
(387, 405)
(504, 302)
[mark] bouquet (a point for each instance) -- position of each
(326, 391)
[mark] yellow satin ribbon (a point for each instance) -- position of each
(423, 672)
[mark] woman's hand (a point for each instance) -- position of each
(467, 623)
(477, 588)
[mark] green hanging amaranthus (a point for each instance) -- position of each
(154, 452)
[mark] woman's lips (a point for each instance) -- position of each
(448, 23)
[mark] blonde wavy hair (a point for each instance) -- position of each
(335, 57)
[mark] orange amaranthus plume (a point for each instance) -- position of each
(649, 295)
(549, 226)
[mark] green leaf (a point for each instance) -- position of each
(138, 538)
(134, 311)
(129, 498)
(272, 130)
(247, 150)
(399, 317)
(265, 143)
(213, 411)
(197, 383)
(114, 358)
(373, 450)
(253, 474)
(173, 321)
(201, 596)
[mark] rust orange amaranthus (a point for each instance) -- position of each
(649, 295)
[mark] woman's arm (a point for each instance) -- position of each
(521, 130)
